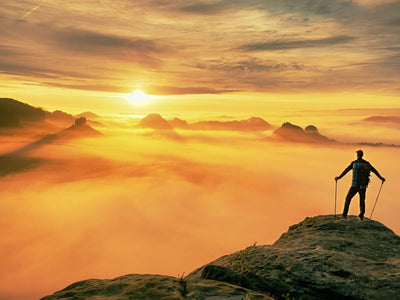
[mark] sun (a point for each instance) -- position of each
(138, 96)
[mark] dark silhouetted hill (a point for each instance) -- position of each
(154, 121)
(13, 113)
(252, 124)
(179, 123)
(383, 119)
(20, 160)
(80, 128)
(294, 133)
(59, 115)
(87, 115)
(319, 258)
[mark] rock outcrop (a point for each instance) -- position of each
(80, 128)
(319, 258)
(154, 287)
(293, 133)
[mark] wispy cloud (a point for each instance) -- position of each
(293, 44)
(207, 8)
(394, 22)
(251, 65)
(96, 42)
(175, 90)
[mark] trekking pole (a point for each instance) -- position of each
(376, 200)
(335, 195)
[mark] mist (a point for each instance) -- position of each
(145, 201)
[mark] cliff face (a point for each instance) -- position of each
(319, 258)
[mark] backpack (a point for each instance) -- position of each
(363, 174)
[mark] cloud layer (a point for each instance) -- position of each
(134, 201)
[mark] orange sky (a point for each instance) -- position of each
(87, 54)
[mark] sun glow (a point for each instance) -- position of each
(138, 96)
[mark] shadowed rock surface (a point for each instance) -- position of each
(318, 258)
(154, 287)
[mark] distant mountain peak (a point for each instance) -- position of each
(82, 128)
(179, 123)
(154, 121)
(294, 133)
(88, 115)
(251, 124)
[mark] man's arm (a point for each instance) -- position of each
(345, 171)
(377, 173)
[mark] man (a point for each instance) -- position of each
(361, 169)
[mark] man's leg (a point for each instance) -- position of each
(350, 195)
(361, 192)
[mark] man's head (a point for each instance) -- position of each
(360, 153)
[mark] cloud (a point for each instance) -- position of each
(92, 87)
(57, 53)
(92, 42)
(250, 65)
(94, 45)
(9, 51)
(383, 119)
(58, 41)
(174, 90)
(29, 69)
(167, 206)
(393, 22)
(294, 44)
(207, 8)
(373, 3)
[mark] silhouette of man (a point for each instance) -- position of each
(361, 169)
